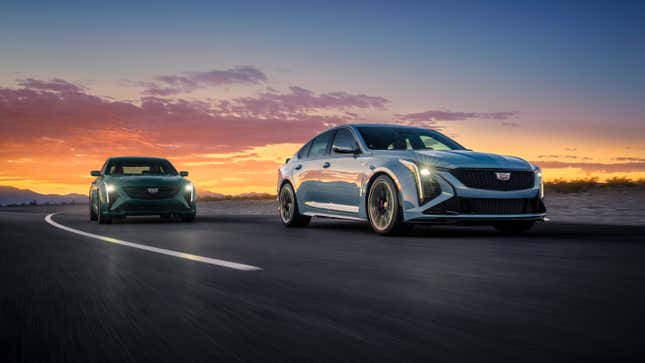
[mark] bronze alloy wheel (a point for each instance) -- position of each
(383, 209)
(288, 208)
(286, 204)
(381, 205)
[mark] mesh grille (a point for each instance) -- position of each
(487, 179)
(496, 206)
(457, 205)
(143, 192)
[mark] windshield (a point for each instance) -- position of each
(406, 138)
(140, 167)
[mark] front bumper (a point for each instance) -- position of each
(478, 218)
(122, 205)
(459, 204)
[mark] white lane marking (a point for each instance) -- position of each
(187, 256)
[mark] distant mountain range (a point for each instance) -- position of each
(11, 196)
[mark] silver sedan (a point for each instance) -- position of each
(394, 176)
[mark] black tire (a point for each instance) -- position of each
(93, 215)
(384, 211)
(288, 208)
(188, 219)
(514, 227)
(100, 217)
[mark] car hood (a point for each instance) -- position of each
(146, 181)
(452, 159)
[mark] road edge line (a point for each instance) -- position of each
(163, 251)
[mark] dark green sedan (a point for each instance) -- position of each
(141, 186)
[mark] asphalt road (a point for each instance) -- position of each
(330, 292)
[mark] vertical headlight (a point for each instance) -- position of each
(109, 188)
(427, 187)
(415, 173)
(538, 175)
(190, 191)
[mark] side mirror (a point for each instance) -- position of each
(183, 173)
(346, 149)
(95, 173)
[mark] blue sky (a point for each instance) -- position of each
(591, 47)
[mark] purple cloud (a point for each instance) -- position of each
(240, 74)
(299, 99)
(431, 116)
(189, 81)
(563, 156)
(510, 124)
(45, 111)
(56, 85)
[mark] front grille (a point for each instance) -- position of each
(163, 192)
(458, 205)
(487, 179)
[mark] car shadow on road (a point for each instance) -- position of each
(541, 231)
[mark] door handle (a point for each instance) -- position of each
(298, 167)
(326, 164)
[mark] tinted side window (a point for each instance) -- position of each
(433, 144)
(344, 138)
(320, 145)
(302, 153)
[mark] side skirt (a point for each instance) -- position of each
(335, 216)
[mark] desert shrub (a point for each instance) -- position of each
(570, 186)
(623, 182)
(581, 185)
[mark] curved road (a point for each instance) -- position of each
(330, 292)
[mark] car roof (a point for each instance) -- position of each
(381, 125)
(355, 126)
(136, 158)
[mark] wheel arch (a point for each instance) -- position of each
(283, 182)
(368, 185)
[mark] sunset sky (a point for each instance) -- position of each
(229, 90)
